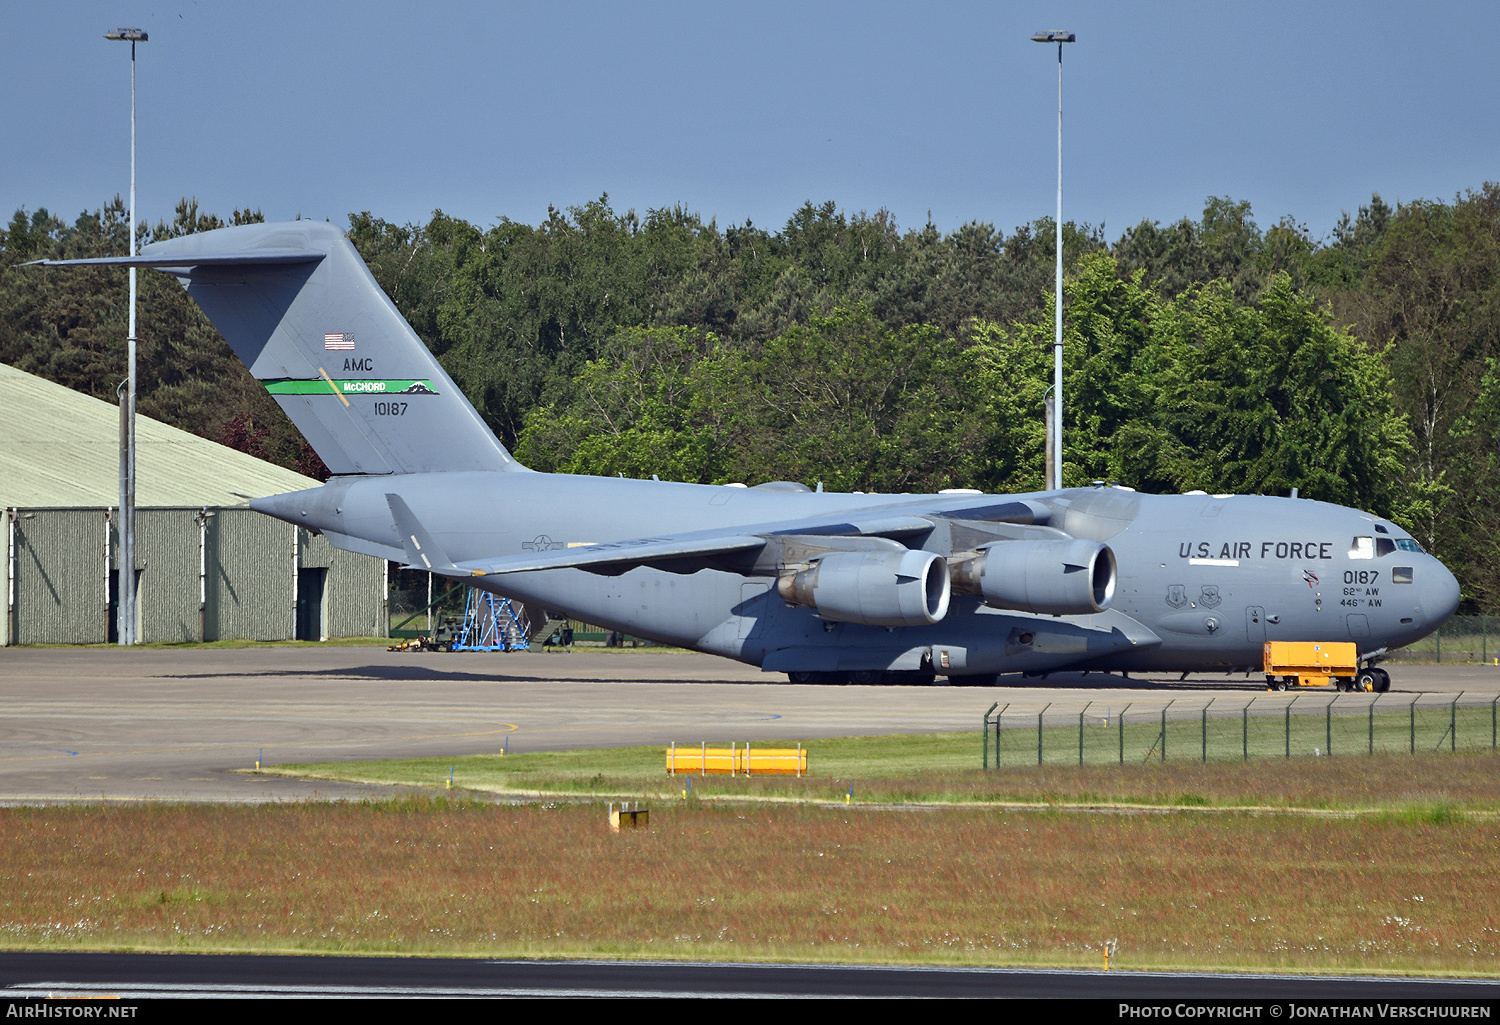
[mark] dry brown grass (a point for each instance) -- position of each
(1230, 890)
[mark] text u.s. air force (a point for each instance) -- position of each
(1256, 550)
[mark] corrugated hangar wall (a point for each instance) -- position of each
(349, 575)
(58, 580)
(166, 553)
(249, 577)
(230, 574)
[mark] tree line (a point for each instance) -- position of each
(1208, 353)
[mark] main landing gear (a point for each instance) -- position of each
(867, 677)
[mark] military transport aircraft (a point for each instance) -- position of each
(824, 587)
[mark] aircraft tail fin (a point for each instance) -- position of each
(298, 305)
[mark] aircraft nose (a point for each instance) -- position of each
(1441, 598)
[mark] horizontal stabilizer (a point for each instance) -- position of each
(245, 258)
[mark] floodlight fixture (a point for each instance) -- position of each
(1055, 450)
(126, 586)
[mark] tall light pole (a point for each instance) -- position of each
(125, 574)
(1056, 461)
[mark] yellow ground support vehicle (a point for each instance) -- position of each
(1320, 664)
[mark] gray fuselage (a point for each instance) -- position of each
(1203, 581)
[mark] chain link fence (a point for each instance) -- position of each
(1238, 728)
(418, 602)
(1461, 639)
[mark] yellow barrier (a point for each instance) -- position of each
(736, 759)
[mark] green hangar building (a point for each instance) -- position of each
(208, 567)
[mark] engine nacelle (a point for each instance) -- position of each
(909, 588)
(1054, 578)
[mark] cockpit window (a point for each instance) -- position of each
(1362, 548)
(1407, 544)
(1384, 546)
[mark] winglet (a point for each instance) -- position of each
(421, 550)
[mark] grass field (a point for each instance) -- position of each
(1398, 893)
(943, 769)
(1360, 864)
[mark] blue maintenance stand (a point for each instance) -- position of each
(491, 623)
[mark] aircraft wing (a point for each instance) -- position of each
(617, 556)
(612, 555)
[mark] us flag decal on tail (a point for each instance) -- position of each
(340, 340)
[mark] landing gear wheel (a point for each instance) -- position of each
(805, 676)
(1385, 680)
(1367, 681)
(867, 677)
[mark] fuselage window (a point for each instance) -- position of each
(1400, 574)
(1362, 548)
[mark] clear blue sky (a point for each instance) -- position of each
(739, 111)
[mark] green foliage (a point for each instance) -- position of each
(1265, 398)
(1226, 245)
(1206, 353)
(1196, 391)
(639, 409)
(1202, 391)
(845, 400)
(515, 313)
(1427, 298)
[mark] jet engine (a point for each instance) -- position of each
(895, 588)
(1055, 578)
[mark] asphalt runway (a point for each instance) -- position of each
(174, 724)
(70, 975)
